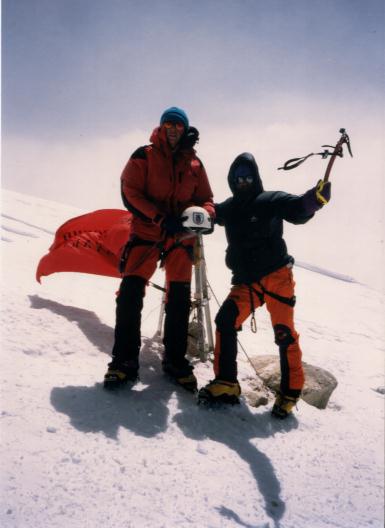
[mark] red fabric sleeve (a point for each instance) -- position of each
(133, 183)
(203, 195)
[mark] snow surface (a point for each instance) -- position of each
(75, 456)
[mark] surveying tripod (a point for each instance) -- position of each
(200, 307)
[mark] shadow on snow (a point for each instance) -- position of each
(237, 428)
(144, 411)
(98, 333)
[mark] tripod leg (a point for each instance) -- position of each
(198, 299)
(159, 331)
(206, 300)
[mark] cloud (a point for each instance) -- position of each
(347, 236)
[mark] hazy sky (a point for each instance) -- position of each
(97, 67)
(85, 82)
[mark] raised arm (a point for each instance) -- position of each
(292, 208)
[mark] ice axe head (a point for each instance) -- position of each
(345, 139)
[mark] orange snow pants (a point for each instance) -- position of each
(241, 301)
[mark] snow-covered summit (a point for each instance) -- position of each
(74, 455)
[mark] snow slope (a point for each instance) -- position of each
(75, 456)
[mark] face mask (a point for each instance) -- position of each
(243, 179)
(243, 176)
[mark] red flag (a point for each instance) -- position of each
(91, 243)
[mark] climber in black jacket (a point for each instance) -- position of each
(261, 273)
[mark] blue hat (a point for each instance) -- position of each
(175, 115)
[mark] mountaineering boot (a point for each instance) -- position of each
(220, 391)
(118, 375)
(183, 376)
(283, 405)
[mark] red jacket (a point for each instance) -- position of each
(156, 183)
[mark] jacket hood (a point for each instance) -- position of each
(187, 141)
(245, 159)
(159, 139)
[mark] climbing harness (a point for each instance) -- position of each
(159, 245)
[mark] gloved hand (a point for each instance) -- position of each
(316, 197)
(172, 224)
(323, 192)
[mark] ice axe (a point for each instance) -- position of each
(337, 150)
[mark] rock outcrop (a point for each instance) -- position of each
(319, 383)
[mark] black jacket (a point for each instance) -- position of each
(254, 227)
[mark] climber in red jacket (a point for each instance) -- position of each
(158, 183)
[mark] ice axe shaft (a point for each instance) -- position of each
(344, 139)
